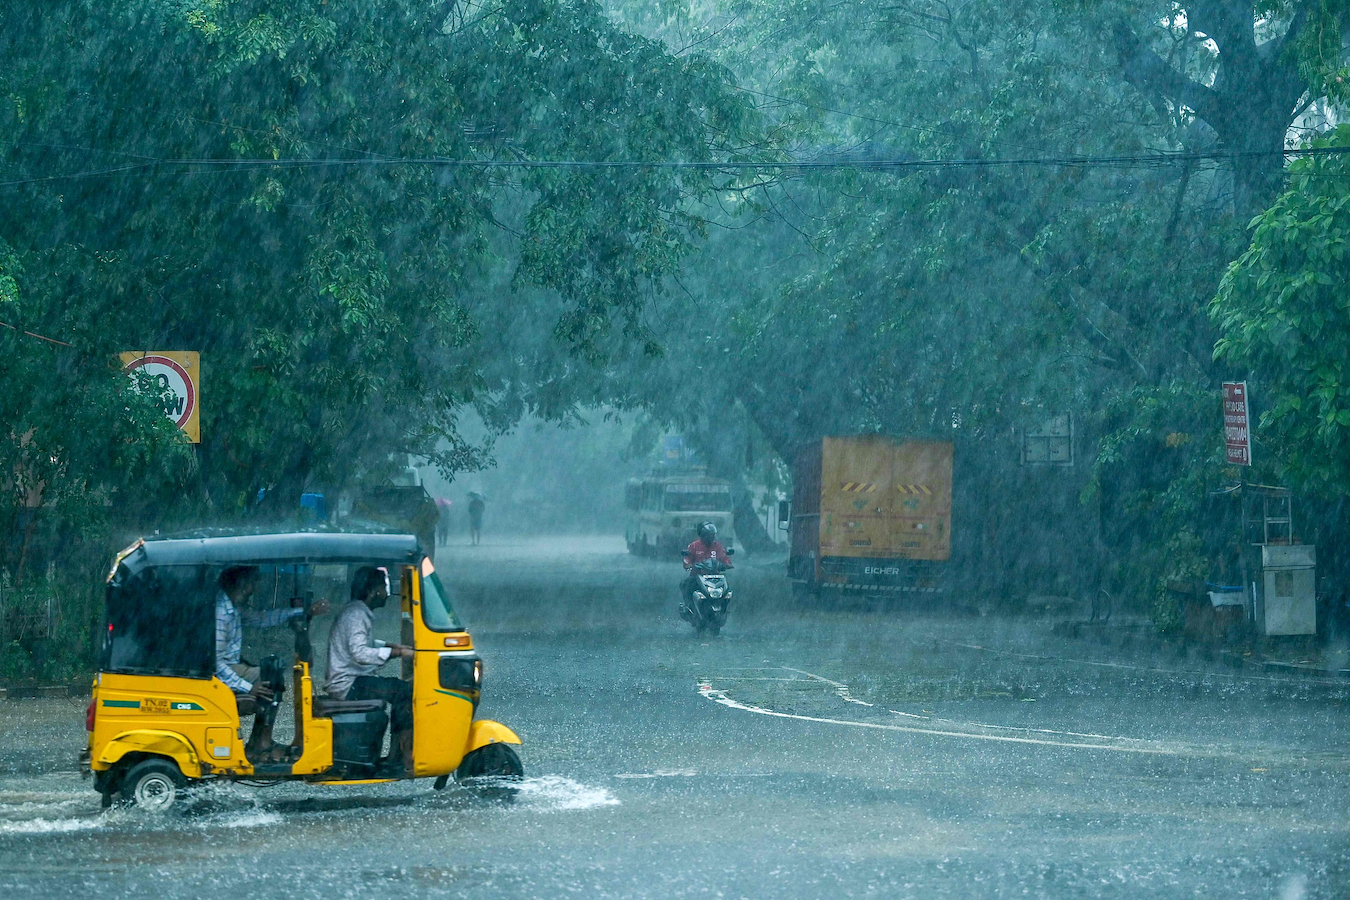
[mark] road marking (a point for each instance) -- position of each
(1023, 728)
(719, 696)
(840, 689)
(756, 678)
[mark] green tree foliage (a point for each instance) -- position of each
(1284, 311)
(76, 436)
(229, 177)
(988, 296)
(1156, 484)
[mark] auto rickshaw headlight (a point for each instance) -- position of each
(462, 674)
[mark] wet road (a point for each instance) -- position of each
(805, 753)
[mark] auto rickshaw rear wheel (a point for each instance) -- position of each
(491, 761)
(152, 784)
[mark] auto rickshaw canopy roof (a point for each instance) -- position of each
(261, 549)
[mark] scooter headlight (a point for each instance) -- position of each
(714, 592)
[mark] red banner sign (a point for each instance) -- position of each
(1237, 436)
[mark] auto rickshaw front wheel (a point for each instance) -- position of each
(497, 760)
(152, 784)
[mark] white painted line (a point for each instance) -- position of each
(718, 696)
(840, 689)
(753, 678)
(1022, 728)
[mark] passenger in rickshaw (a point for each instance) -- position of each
(354, 655)
(256, 691)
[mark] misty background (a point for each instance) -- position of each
(549, 478)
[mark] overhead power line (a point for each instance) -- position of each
(34, 334)
(903, 164)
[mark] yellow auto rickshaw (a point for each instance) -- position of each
(160, 720)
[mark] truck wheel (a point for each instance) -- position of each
(153, 784)
(493, 761)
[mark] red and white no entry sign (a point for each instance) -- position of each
(178, 372)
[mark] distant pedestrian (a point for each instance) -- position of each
(476, 507)
(443, 521)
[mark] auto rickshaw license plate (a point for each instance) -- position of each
(154, 705)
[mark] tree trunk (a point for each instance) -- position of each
(1252, 102)
(749, 529)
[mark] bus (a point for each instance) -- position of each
(664, 512)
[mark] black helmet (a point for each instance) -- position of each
(708, 531)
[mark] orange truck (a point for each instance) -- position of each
(871, 513)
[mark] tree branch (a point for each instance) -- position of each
(1230, 24)
(1273, 50)
(1151, 74)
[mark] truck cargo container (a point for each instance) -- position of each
(871, 513)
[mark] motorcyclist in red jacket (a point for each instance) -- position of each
(706, 546)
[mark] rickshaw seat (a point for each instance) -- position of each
(327, 707)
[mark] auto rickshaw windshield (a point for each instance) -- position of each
(159, 622)
(437, 612)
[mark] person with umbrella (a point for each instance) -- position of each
(443, 520)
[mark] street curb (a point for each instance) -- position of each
(1272, 665)
(41, 692)
(1127, 635)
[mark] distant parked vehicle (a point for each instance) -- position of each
(871, 513)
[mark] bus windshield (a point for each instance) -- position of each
(698, 498)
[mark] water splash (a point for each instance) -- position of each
(557, 792)
(51, 826)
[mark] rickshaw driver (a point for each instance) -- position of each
(238, 584)
(353, 657)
